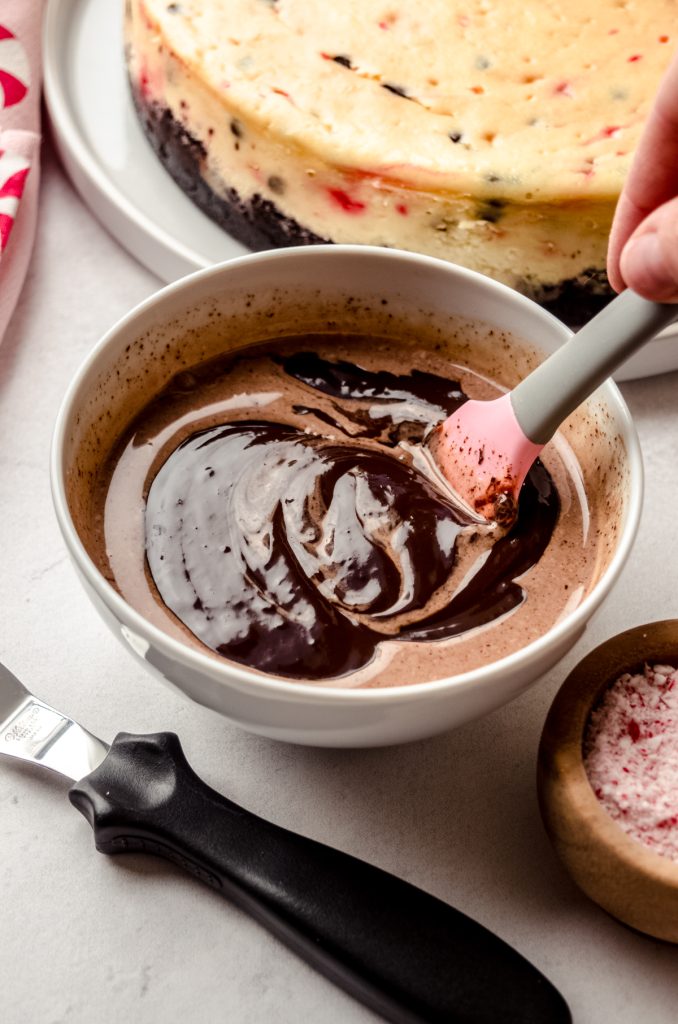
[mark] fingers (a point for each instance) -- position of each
(649, 261)
(653, 178)
(627, 217)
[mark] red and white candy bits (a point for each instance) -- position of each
(631, 756)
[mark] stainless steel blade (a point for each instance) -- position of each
(35, 732)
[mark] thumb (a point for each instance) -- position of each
(649, 260)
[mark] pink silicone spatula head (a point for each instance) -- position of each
(485, 455)
(486, 449)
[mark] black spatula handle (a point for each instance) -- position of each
(404, 953)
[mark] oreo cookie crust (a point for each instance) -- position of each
(257, 222)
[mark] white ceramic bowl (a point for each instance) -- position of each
(304, 289)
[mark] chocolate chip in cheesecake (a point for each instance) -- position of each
(276, 184)
(236, 128)
(344, 61)
(397, 90)
(491, 210)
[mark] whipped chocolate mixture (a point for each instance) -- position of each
(292, 522)
(297, 547)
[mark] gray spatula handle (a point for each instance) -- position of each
(551, 392)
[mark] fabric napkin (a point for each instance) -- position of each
(20, 74)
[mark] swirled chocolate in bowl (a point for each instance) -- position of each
(292, 524)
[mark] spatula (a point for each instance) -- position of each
(486, 449)
(404, 953)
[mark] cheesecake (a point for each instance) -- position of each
(494, 135)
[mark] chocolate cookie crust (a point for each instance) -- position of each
(256, 223)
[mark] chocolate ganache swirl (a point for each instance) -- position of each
(296, 550)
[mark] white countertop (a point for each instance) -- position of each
(85, 939)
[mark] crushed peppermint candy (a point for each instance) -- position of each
(631, 756)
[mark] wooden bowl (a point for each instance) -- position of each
(623, 876)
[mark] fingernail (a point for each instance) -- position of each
(644, 268)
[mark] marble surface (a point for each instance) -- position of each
(89, 939)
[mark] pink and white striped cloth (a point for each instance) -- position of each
(20, 24)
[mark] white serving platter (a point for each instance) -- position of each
(117, 174)
(104, 150)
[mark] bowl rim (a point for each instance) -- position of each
(290, 689)
(561, 743)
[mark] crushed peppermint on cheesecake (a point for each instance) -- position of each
(631, 756)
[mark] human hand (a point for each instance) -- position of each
(643, 249)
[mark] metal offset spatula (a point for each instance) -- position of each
(404, 953)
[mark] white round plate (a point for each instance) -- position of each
(118, 175)
(104, 150)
